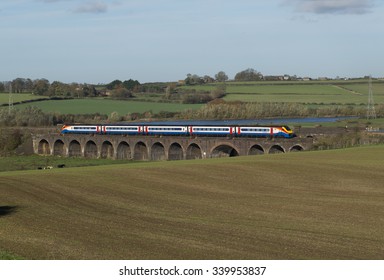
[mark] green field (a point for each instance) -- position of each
(18, 97)
(310, 205)
(317, 92)
(106, 106)
(313, 93)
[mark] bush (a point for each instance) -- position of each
(10, 140)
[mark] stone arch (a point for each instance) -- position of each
(90, 149)
(140, 151)
(194, 151)
(158, 151)
(107, 150)
(224, 150)
(59, 148)
(175, 152)
(276, 149)
(123, 151)
(74, 149)
(256, 150)
(296, 148)
(44, 147)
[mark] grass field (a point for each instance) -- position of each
(319, 92)
(310, 205)
(17, 97)
(106, 106)
(313, 92)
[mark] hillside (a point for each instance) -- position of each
(312, 205)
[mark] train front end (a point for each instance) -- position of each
(286, 132)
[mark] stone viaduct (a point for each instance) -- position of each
(162, 148)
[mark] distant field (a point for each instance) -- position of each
(312, 92)
(106, 106)
(310, 205)
(17, 97)
(326, 92)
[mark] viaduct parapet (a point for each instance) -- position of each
(162, 148)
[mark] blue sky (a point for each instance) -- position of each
(97, 41)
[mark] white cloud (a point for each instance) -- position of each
(331, 6)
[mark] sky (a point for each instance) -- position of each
(98, 41)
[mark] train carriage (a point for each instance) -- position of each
(265, 131)
(165, 130)
(252, 131)
(122, 129)
(212, 130)
(81, 129)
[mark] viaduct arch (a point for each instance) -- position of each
(162, 148)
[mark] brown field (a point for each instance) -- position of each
(310, 205)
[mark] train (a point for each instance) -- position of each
(180, 130)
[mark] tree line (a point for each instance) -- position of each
(249, 74)
(45, 88)
(116, 88)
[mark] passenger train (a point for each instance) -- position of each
(180, 130)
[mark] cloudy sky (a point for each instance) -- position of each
(97, 41)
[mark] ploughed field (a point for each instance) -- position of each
(311, 205)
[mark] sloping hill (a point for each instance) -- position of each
(312, 205)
